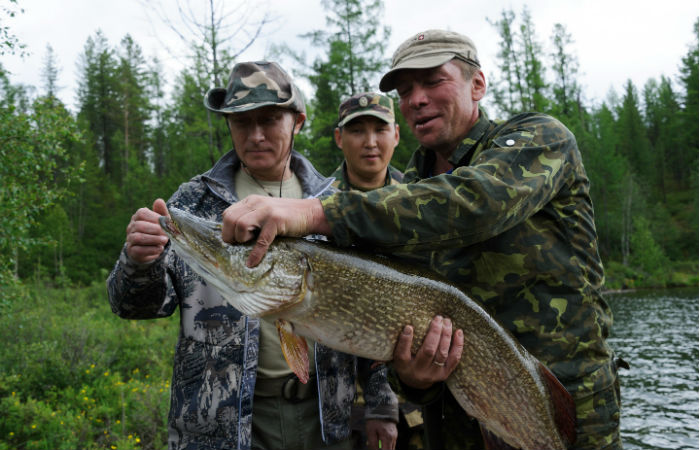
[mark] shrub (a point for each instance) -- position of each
(74, 375)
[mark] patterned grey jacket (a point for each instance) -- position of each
(217, 351)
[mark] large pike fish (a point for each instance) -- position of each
(359, 304)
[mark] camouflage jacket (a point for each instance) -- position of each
(512, 225)
(217, 351)
(393, 176)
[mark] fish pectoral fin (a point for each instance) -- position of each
(295, 350)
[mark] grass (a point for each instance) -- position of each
(74, 375)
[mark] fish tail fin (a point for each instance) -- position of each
(563, 405)
(295, 350)
(493, 442)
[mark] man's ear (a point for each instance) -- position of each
(301, 118)
(338, 138)
(478, 86)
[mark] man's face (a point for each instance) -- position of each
(261, 138)
(368, 144)
(439, 105)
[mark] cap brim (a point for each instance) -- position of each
(378, 115)
(215, 97)
(386, 84)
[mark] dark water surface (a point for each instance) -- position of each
(657, 333)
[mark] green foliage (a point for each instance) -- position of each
(74, 375)
(521, 85)
(689, 112)
(351, 64)
(646, 254)
(8, 41)
(33, 173)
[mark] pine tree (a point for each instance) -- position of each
(534, 71)
(352, 63)
(521, 86)
(632, 140)
(509, 88)
(689, 114)
(49, 73)
(134, 108)
(565, 90)
(97, 97)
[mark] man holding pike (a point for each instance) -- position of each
(501, 209)
(367, 134)
(232, 388)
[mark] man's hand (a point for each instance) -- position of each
(145, 239)
(435, 359)
(381, 430)
(272, 217)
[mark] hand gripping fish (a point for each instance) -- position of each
(359, 304)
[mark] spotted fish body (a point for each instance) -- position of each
(360, 304)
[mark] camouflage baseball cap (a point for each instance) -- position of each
(253, 85)
(428, 49)
(366, 104)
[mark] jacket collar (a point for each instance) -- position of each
(220, 177)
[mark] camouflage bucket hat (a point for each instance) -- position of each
(253, 85)
(366, 104)
(428, 49)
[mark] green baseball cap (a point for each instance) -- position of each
(366, 104)
(431, 48)
(253, 85)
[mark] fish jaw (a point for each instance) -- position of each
(275, 284)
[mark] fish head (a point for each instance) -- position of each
(275, 284)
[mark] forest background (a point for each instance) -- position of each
(70, 181)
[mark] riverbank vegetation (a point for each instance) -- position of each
(73, 375)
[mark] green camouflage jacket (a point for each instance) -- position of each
(216, 356)
(512, 225)
(393, 176)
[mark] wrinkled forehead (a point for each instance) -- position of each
(411, 75)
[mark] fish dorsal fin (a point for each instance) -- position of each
(563, 406)
(295, 350)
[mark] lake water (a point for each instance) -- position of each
(657, 333)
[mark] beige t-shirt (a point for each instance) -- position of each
(271, 362)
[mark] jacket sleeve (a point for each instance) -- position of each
(380, 401)
(141, 291)
(519, 171)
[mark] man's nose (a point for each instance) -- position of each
(370, 139)
(418, 96)
(256, 132)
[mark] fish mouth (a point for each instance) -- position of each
(170, 227)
